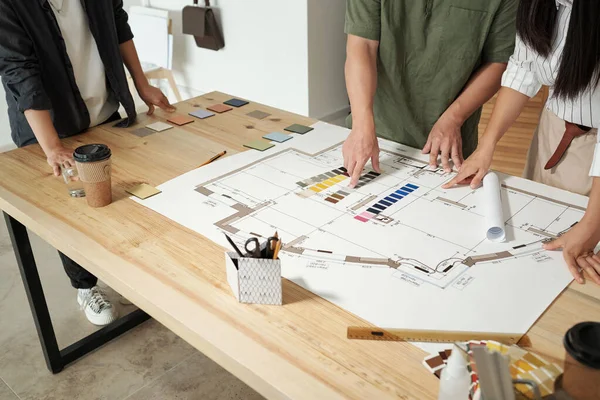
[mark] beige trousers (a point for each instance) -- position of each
(572, 172)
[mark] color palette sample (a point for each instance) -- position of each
(368, 177)
(180, 120)
(318, 183)
(260, 145)
(277, 137)
(386, 202)
(297, 128)
(337, 196)
(258, 114)
(159, 126)
(143, 132)
(219, 108)
(202, 114)
(235, 102)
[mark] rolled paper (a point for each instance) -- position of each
(494, 218)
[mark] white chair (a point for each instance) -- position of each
(154, 43)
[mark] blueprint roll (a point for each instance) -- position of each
(494, 218)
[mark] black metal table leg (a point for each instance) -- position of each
(57, 359)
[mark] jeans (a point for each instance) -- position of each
(80, 278)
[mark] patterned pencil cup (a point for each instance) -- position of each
(254, 280)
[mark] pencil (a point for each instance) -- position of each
(214, 158)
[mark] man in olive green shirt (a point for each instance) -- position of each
(418, 72)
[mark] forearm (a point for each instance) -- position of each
(482, 86)
(43, 129)
(361, 79)
(509, 105)
(592, 214)
(132, 62)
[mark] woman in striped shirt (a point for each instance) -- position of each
(558, 45)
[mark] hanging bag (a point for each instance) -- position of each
(202, 24)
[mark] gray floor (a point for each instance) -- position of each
(147, 363)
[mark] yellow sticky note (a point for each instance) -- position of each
(143, 191)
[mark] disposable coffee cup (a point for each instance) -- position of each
(581, 379)
(93, 163)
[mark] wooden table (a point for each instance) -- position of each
(177, 276)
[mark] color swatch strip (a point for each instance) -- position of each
(386, 202)
(366, 178)
(337, 197)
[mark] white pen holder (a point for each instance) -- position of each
(254, 280)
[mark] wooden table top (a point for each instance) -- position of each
(298, 350)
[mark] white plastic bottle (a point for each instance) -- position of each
(455, 380)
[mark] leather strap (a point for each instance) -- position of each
(206, 3)
(571, 132)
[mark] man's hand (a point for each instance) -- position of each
(445, 138)
(154, 97)
(578, 250)
(475, 166)
(60, 156)
(360, 146)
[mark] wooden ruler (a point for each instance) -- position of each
(408, 335)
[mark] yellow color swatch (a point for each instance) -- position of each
(329, 182)
(321, 186)
(315, 189)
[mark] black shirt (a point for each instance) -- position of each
(37, 73)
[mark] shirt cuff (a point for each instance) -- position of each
(362, 31)
(34, 101)
(595, 170)
(520, 79)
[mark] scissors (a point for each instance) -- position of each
(254, 250)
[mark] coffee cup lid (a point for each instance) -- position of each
(92, 153)
(582, 342)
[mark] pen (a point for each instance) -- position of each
(237, 250)
(214, 158)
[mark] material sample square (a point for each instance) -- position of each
(259, 145)
(159, 126)
(297, 128)
(181, 120)
(258, 114)
(277, 137)
(235, 102)
(143, 191)
(143, 132)
(219, 108)
(202, 114)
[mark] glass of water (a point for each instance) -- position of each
(74, 184)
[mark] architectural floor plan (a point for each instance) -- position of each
(397, 250)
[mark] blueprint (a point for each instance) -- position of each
(397, 250)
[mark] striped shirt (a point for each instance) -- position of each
(527, 71)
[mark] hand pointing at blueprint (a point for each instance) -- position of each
(360, 146)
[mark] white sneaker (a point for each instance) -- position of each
(98, 309)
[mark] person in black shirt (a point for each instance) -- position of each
(61, 64)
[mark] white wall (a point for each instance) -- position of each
(265, 52)
(326, 59)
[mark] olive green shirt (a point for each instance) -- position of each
(428, 50)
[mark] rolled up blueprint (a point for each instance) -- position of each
(494, 218)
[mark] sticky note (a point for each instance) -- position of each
(143, 191)
(202, 114)
(297, 128)
(260, 145)
(143, 132)
(159, 126)
(235, 102)
(258, 114)
(277, 137)
(219, 108)
(181, 119)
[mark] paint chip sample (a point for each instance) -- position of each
(159, 126)
(143, 191)
(219, 108)
(181, 120)
(143, 132)
(258, 114)
(259, 145)
(297, 128)
(235, 102)
(202, 114)
(277, 137)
